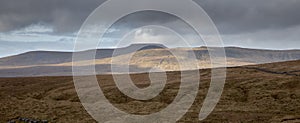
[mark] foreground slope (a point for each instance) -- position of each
(259, 93)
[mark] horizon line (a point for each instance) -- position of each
(112, 48)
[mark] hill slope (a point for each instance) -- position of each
(145, 58)
(258, 93)
(242, 54)
(48, 57)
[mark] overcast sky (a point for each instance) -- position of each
(27, 25)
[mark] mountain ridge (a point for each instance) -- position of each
(143, 58)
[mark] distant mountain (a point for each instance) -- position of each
(36, 58)
(48, 57)
(262, 56)
(143, 58)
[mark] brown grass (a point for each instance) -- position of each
(250, 95)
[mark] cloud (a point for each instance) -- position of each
(36, 28)
(247, 23)
(35, 33)
(161, 35)
(244, 16)
(266, 39)
(65, 16)
(231, 16)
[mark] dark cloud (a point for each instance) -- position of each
(244, 23)
(64, 15)
(231, 16)
(239, 16)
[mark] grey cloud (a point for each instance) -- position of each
(279, 39)
(247, 18)
(239, 16)
(65, 15)
(230, 16)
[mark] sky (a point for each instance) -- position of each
(30, 25)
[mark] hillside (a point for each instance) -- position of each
(48, 57)
(257, 93)
(149, 56)
(241, 54)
